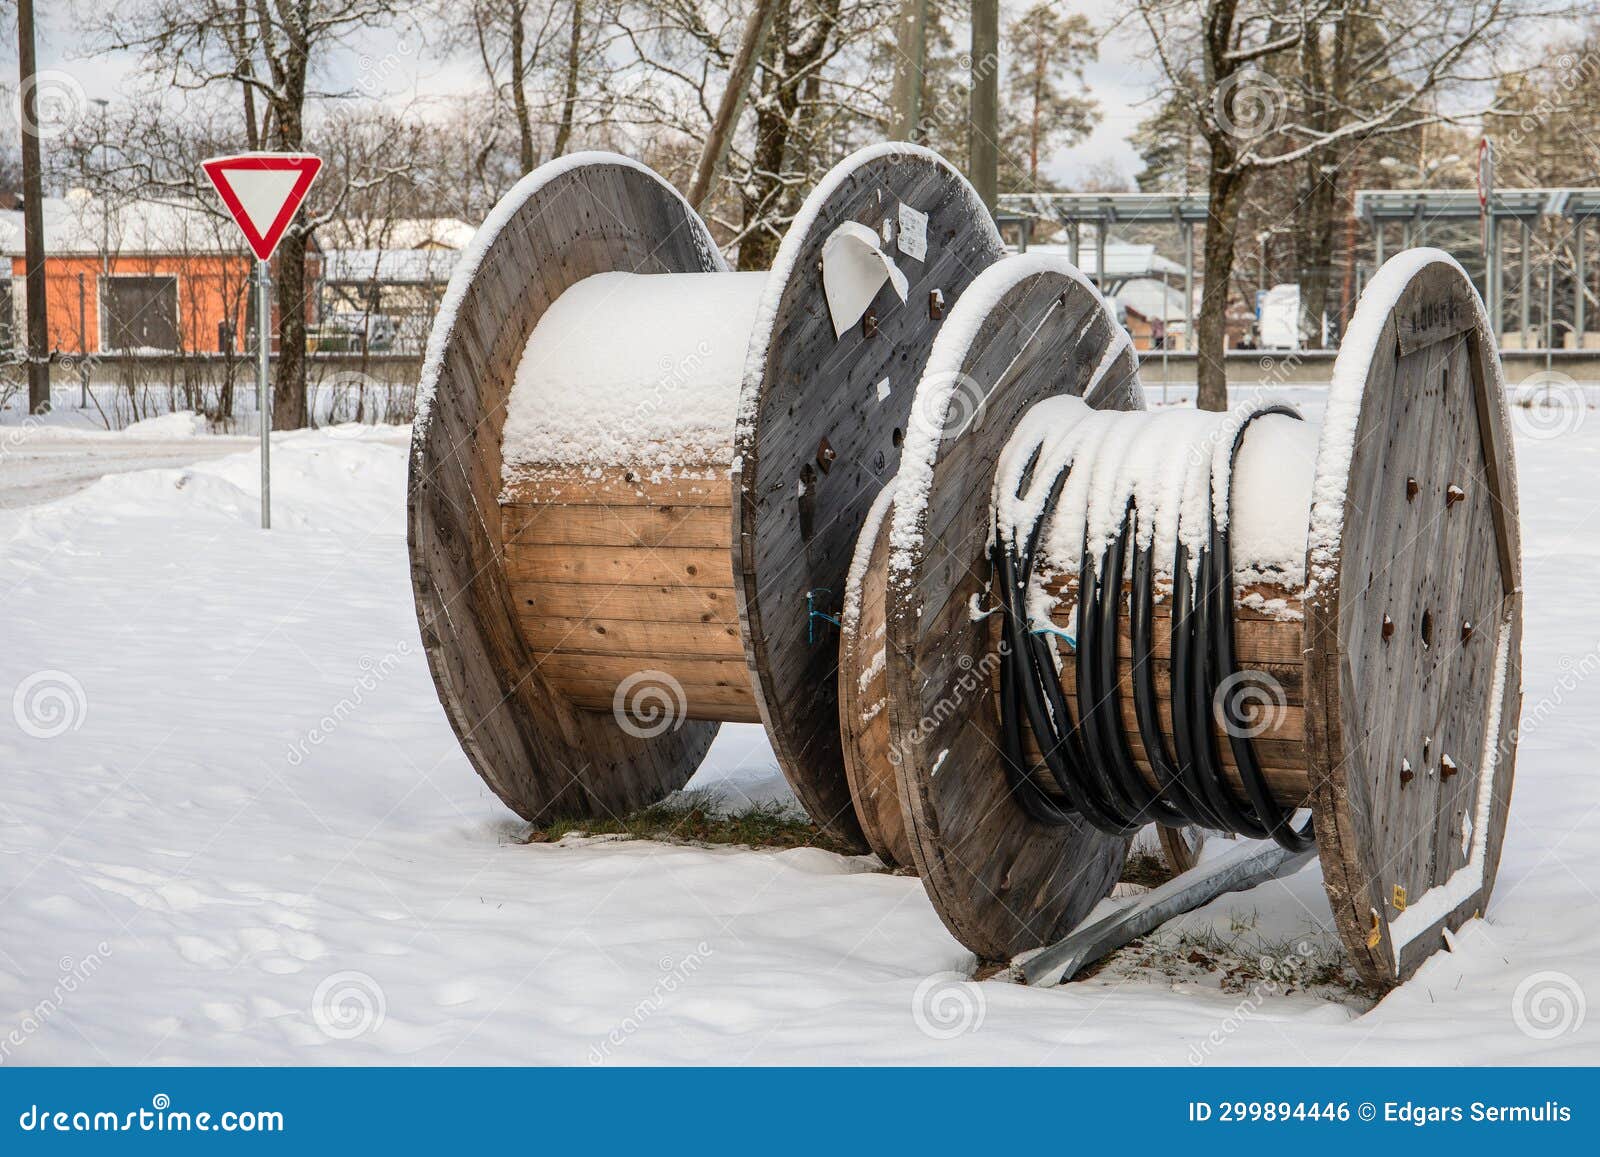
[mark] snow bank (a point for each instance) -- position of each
(178, 424)
(629, 369)
(261, 805)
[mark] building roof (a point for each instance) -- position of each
(1153, 299)
(1124, 259)
(389, 266)
(80, 224)
(400, 233)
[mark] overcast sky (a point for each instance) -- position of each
(1119, 80)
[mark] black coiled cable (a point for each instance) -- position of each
(1086, 752)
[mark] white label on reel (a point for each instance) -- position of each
(913, 232)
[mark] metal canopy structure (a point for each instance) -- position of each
(1103, 210)
(1413, 210)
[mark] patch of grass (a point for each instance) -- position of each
(1239, 962)
(1147, 868)
(698, 818)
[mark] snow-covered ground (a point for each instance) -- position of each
(235, 827)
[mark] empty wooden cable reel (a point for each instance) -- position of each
(637, 477)
(1313, 629)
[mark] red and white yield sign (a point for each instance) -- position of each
(262, 191)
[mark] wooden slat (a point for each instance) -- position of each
(662, 604)
(641, 639)
(606, 566)
(614, 486)
(623, 527)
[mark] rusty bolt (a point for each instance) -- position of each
(825, 455)
(936, 304)
(1388, 628)
(1413, 488)
(1466, 630)
(1406, 774)
(1453, 495)
(1447, 767)
(869, 324)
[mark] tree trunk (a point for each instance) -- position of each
(569, 101)
(751, 46)
(289, 390)
(289, 383)
(519, 92)
(910, 69)
(780, 131)
(242, 55)
(33, 218)
(1318, 224)
(983, 144)
(1211, 328)
(760, 189)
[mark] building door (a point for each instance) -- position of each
(140, 313)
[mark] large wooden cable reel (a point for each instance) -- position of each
(546, 594)
(1401, 731)
(1414, 621)
(1030, 327)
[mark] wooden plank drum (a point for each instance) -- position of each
(1066, 621)
(900, 501)
(636, 477)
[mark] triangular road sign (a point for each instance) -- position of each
(262, 192)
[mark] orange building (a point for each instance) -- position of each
(137, 277)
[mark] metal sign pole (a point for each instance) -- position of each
(263, 397)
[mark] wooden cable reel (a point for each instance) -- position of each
(1404, 668)
(588, 621)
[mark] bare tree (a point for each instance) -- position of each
(1272, 84)
(200, 45)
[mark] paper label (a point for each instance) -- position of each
(913, 232)
(854, 268)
